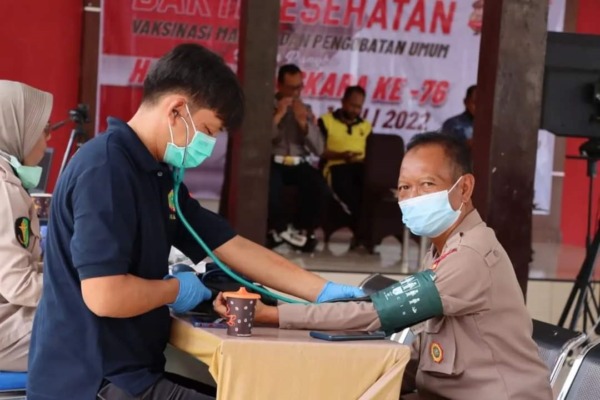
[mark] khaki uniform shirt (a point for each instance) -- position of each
(290, 140)
(20, 255)
(481, 348)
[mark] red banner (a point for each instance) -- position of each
(415, 58)
(137, 32)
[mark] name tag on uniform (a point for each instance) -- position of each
(438, 260)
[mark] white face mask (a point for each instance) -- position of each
(430, 215)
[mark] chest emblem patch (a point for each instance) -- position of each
(23, 231)
(437, 354)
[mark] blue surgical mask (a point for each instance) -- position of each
(429, 215)
(28, 175)
(198, 149)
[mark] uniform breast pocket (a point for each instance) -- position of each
(439, 349)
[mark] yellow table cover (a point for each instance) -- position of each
(276, 364)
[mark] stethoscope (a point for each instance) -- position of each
(178, 174)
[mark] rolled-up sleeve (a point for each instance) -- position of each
(20, 275)
(314, 139)
(276, 133)
(359, 316)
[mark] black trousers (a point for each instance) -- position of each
(347, 183)
(170, 387)
(312, 193)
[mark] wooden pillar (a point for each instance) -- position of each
(509, 92)
(245, 191)
(88, 82)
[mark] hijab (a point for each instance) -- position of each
(24, 112)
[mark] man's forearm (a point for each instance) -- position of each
(277, 118)
(267, 315)
(270, 269)
(275, 133)
(314, 139)
(359, 316)
(125, 296)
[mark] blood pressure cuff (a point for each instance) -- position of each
(218, 281)
(408, 302)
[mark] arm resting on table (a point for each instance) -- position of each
(360, 316)
(125, 296)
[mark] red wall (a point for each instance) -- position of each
(575, 187)
(40, 46)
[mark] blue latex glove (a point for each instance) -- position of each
(191, 292)
(332, 291)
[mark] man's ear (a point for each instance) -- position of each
(467, 187)
(173, 114)
(174, 105)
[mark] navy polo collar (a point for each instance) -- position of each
(137, 150)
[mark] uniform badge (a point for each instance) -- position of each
(171, 201)
(437, 261)
(23, 231)
(437, 354)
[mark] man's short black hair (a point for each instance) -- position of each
(470, 91)
(457, 151)
(197, 72)
(287, 69)
(350, 90)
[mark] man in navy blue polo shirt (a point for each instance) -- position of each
(103, 322)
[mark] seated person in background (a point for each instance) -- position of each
(295, 137)
(476, 340)
(24, 114)
(461, 126)
(345, 134)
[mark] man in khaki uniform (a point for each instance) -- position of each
(295, 136)
(478, 345)
(24, 113)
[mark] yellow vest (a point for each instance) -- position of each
(339, 140)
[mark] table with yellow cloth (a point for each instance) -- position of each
(276, 364)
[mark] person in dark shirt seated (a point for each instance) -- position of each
(461, 126)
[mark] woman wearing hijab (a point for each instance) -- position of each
(24, 114)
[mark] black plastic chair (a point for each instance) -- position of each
(380, 216)
(583, 381)
(555, 344)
